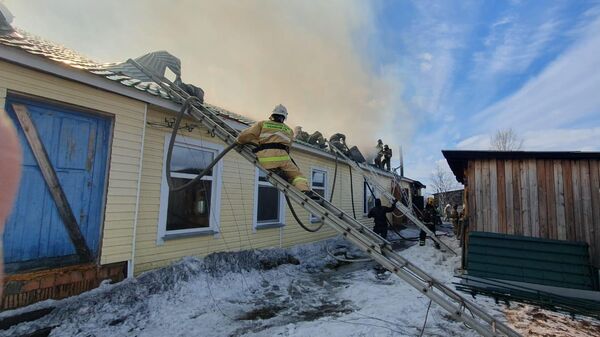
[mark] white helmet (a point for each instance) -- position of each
(280, 110)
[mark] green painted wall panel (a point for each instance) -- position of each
(526, 259)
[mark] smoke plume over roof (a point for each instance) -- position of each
(248, 56)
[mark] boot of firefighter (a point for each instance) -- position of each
(313, 195)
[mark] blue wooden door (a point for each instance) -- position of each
(77, 145)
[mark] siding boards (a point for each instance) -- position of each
(501, 199)
(479, 204)
(493, 192)
(577, 200)
(570, 226)
(533, 199)
(550, 200)
(595, 193)
(472, 195)
(543, 229)
(586, 204)
(546, 198)
(524, 187)
(516, 175)
(561, 200)
(586, 200)
(510, 208)
(486, 195)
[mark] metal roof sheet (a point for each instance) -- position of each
(112, 71)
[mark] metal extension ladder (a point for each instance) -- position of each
(354, 231)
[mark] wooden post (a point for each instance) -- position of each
(62, 204)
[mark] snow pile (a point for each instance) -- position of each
(296, 292)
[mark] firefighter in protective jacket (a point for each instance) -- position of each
(274, 139)
(431, 218)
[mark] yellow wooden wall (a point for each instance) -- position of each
(238, 179)
(237, 204)
(126, 145)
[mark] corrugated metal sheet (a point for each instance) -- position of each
(532, 260)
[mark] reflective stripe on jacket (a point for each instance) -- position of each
(268, 132)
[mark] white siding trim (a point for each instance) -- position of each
(215, 208)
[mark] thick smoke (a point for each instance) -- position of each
(248, 56)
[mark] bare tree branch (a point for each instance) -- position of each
(506, 140)
(442, 181)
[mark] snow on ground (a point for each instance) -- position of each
(296, 292)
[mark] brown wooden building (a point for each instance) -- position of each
(552, 195)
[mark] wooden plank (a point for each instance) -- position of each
(534, 221)
(479, 219)
(542, 198)
(595, 186)
(516, 175)
(510, 210)
(525, 211)
(560, 200)
(567, 179)
(501, 200)
(577, 200)
(493, 186)
(52, 182)
(586, 201)
(485, 190)
(471, 195)
(550, 199)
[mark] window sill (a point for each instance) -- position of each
(269, 225)
(175, 236)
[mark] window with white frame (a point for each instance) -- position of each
(318, 183)
(268, 205)
(195, 209)
(368, 199)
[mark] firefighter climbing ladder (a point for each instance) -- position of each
(372, 181)
(378, 248)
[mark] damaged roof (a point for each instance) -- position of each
(121, 73)
(112, 71)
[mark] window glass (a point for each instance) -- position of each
(189, 208)
(368, 199)
(268, 204)
(318, 178)
(190, 160)
(317, 184)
